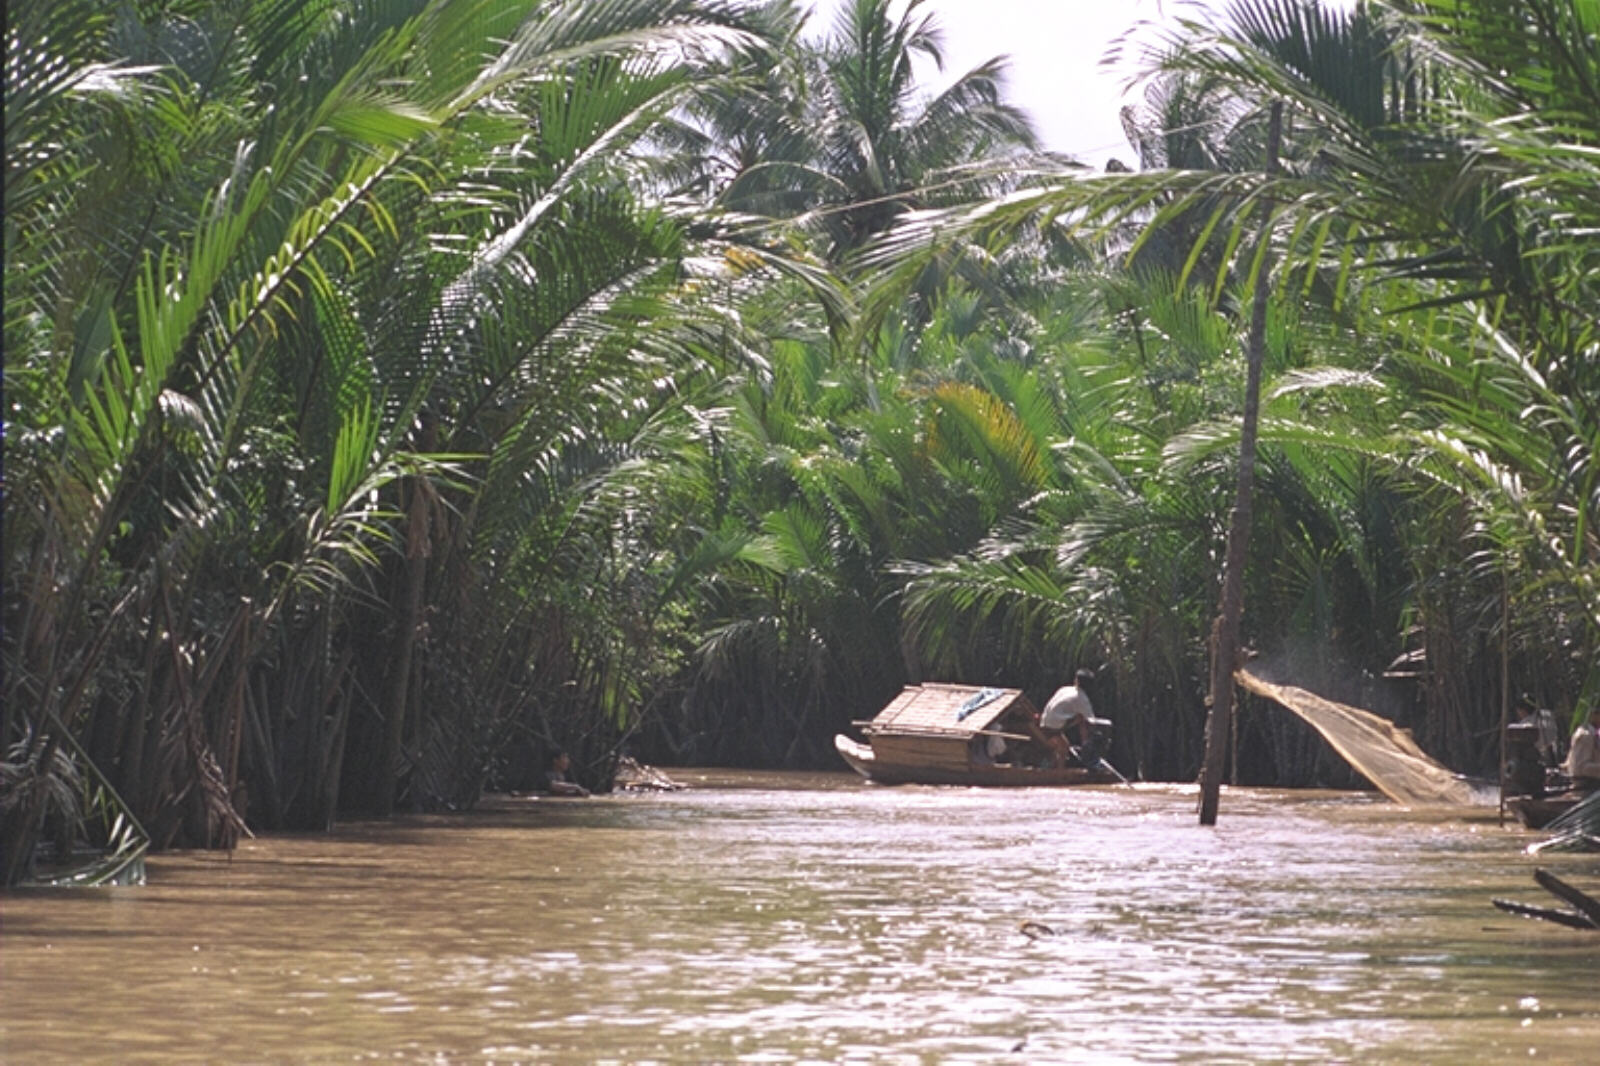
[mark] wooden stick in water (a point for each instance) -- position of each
(1587, 905)
(1567, 918)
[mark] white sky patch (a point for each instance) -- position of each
(1058, 50)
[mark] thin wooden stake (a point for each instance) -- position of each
(1505, 682)
(1225, 631)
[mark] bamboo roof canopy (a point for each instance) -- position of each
(947, 710)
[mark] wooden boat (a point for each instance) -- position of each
(1535, 792)
(1536, 812)
(937, 734)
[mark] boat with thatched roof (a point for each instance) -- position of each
(941, 734)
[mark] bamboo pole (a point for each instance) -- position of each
(1225, 631)
(1505, 683)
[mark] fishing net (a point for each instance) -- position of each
(1379, 750)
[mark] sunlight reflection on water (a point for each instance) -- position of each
(814, 919)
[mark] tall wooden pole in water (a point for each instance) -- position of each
(1505, 681)
(1225, 631)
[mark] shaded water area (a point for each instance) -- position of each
(785, 918)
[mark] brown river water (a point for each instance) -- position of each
(774, 918)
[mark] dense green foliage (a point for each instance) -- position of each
(400, 389)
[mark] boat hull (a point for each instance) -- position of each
(865, 762)
(1538, 812)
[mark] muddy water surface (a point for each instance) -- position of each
(781, 918)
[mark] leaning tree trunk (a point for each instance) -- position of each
(1225, 631)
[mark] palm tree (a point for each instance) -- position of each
(1463, 185)
(886, 149)
(1433, 202)
(840, 135)
(745, 140)
(387, 218)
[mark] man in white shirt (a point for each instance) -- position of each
(1065, 719)
(1583, 758)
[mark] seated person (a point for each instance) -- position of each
(1067, 719)
(1583, 758)
(1549, 737)
(556, 782)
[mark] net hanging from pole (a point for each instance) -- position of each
(1379, 750)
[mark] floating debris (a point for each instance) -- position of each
(1036, 930)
